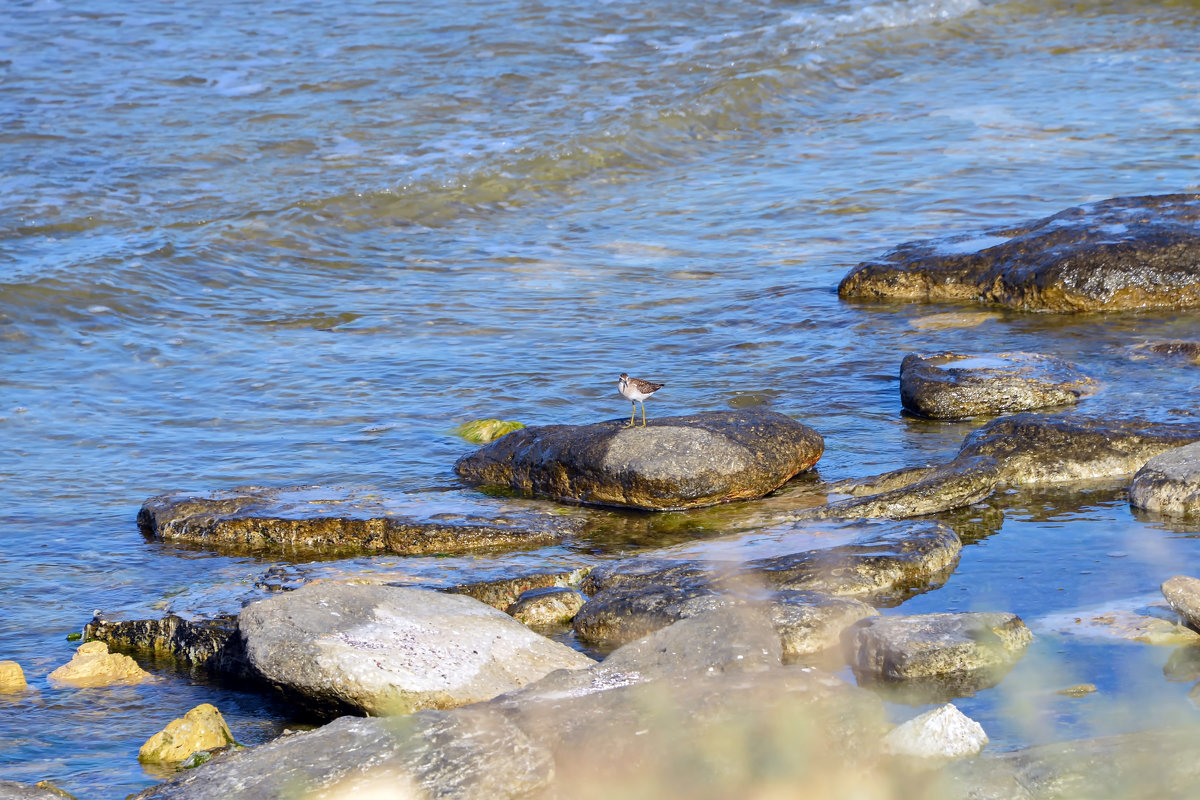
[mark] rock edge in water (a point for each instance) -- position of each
(672, 463)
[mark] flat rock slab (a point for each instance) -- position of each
(1035, 449)
(958, 386)
(890, 562)
(672, 463)
(1162, 764)
(317, 517)
(460, 755)
(1120, 254)
(936, 646)
(390, 649)
(1169, 483)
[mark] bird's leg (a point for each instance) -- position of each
(632, 413)
(643, 413)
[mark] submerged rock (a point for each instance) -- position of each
(389, 649)
(1186, 349)
(912, 492)
(482, 431)
(1119, 254)
(406, 524)
(93, 665)
(942, 733)
(201, 729)
(553, 605)
(1183, 593)
(42, 790)
(971, 649)
(956, 386)
(1036, 449)
(673, 463)
(1169, 483)
(892, 561)
(12, 677)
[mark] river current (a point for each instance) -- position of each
(283, 243)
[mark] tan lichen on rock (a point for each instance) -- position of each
(93, 665)
(12, 678)
(202, 728)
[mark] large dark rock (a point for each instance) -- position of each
(388, 649)
(890, 562)
(344, 519)
(1118, 254)
(209, 643)
(1169, 483)
(1035, 449)
(672, 463)
(956, 386)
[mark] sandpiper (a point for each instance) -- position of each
(636, 390)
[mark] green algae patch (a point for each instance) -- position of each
(482, 431)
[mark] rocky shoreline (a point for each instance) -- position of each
(692, 670)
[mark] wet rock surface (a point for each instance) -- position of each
(211, 644)
(1036, 449)
(1119, 254)
(957, 386)
(672, 463)
(955, 652)
(912, 492)
(389, 649)
(1189, 350)
(503, 592)
(346, 519)
(1183, 593)
(1163, 763)
(1169, 483)
(890, 562)
(12, 790)
(549, 606)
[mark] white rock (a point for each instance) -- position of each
(943, 732)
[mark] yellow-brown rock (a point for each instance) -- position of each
(12, 679)
(202, 728)
(93, 665)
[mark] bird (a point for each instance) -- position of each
(636, 390)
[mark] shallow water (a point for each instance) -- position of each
(291, 243)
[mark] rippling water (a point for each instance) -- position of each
(284, 242)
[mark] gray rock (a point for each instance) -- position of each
(1183, 593)
(389, 649)
(550, 606)
(890, 562)
(809, 623)
(943, 733)
(44, 790)
(1034, 449)
(504, 592)
(914, 492)
(1169, 483)
(331, 518)
(972, 650)
(1162, 764)
(673, 463)
(1121, 254)
(956, 386)
(463, 755)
